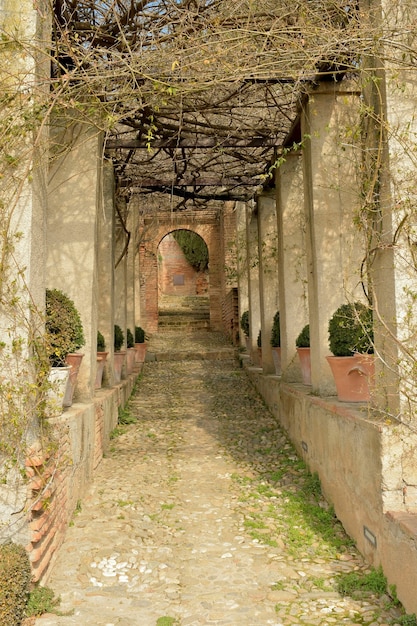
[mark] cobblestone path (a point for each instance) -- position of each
(202, 514)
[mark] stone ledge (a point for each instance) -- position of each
(407, 521)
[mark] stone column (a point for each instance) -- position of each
(242, 265)
(332, 193)
(74, 196)
(253, 279)
(292, 265)
(268, 273)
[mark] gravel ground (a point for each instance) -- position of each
(202, 513)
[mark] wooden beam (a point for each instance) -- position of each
(190, 182)
(192, 142)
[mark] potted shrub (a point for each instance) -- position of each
(64, 335)
(303, 350)
(101, 359)
(131, 352)
(140, 345)
(119, 354)
(351, 342)
(244, 324)
(259, 344)
(276, 344)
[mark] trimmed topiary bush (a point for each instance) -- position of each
(118, 338)
(276, 332)
(259, 340)
(303, 339)
(139, 335)
(101, 344)
(15, 577)
(64, 330)
(244, 323)
(351, 330)
(129, 339)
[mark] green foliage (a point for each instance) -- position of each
(129, 339)
(125, 416)
(351, 330)
(276, 332)
(139, 335)
(101, 344)
(166, 621)
(362, 583)
(194, 248)
(407, 620)
(303, 339)
(259, 340)
(118, 338)
(41, 600)
(244, 323)
(64, 330)
(14, 583)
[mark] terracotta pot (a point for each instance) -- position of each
(305, 364)
(74, 360)
(247, 343)
(130, 360)
(58, 378)
(101, 360)
(259, 350)
(276, 356)
(118, 360)
(354, 376)
(140, 352)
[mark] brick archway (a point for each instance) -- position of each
(208, 229)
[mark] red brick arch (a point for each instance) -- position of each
(209, 231)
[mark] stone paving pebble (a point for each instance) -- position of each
(199, 515)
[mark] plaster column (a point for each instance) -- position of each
(131, 282)
(253, 279)
(120, 269)
(292, 265)
(241, 264)
(268, 273)
(332, 195)
(23, 193)
(73, 205)
(106, 254)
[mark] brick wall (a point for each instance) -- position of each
(173, 266)
(58, 478)
(231, 316)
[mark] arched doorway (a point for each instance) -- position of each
(183, 281)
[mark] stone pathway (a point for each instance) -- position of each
(201, 514)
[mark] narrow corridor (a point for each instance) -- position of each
(201, 512)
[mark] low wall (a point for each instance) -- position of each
(60, 476)
(360, 465)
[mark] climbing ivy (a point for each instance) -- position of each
(194, 248)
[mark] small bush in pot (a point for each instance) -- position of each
(101, 344)
(244, 323)
(64, 330)
(118, 338)
(139, 335)
(259, 340)
(303, 339)
(276, 332)
(129, 339)
(351, 330)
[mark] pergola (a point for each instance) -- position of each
(203, 95)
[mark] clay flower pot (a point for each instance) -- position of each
(354, 376)
(140, 349)
(58, 378)
(276, 357)
(74, 360)
(118, 361)
(101, 361)
(305, 364)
